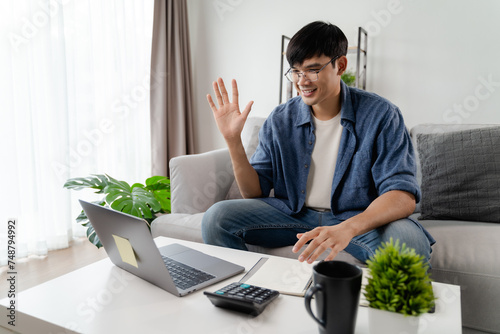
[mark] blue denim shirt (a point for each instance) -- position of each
(375, 154)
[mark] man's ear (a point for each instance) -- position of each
(342, 65)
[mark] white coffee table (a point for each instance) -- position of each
(102, 298)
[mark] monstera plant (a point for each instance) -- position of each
(143, 201)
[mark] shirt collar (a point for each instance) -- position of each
(304, 114)
(346, 111)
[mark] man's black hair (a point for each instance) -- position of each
(314, 40)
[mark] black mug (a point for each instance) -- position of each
(336, 287)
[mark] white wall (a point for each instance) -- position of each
(438, 60)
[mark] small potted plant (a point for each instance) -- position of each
(398, 288)
(349, 78)
(143, 201)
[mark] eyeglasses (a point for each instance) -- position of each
(310, 75)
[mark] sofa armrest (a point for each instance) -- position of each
(197, 181)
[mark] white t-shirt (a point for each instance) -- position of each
(323, 161)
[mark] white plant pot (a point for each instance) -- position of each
(385, 322)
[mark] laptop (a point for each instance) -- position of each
(130, 246)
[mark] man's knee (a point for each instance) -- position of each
(212, 214)
(211, 220)
(218, 218)
(410, 233)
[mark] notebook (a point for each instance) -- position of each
(130, 246)
(288, 276)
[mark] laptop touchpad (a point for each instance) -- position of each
(195, 259)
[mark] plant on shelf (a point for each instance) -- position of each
(143, 201)
(349, 78)
(398, 282)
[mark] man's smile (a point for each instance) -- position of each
(308, 92)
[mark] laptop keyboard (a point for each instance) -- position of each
(185, 276)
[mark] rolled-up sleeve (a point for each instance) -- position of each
(395, 165)
(262, 160)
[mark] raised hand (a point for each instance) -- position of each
(228, 117)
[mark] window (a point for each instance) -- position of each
(75, 90)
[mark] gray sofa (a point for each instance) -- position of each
(467, 252)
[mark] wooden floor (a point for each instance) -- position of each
(35, 270)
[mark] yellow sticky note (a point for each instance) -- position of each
(126, 250)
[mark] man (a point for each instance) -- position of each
(339, 159)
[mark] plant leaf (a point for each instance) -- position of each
(163, 197)
(137, 202)
(399, 281)
(157, 183)
(160, 187)
(82, 218)
(92, 236)
(96, 181)
(84, 221)
(137, 185)
(114, 183)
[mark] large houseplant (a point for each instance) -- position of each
(143, 201)
(399, 284)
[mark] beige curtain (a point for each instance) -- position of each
(171, 100)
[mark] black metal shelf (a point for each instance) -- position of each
(361, 51)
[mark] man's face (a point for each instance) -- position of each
(326, 87)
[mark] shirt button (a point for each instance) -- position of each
(302, 191)
(310, 142)
(306, 166)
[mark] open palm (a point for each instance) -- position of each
(228, 117)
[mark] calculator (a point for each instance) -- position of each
(243, 297)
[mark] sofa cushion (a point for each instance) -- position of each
(436, 128)
(178, 226)
(461, 175)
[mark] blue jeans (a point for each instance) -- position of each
(235, 223)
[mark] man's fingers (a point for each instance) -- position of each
(211, 103)
(332, 255)
(217, 94)
(247, 109)
(225, 97)
(313, 250)
(317, 252)
(303, 238)
(235, 91)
